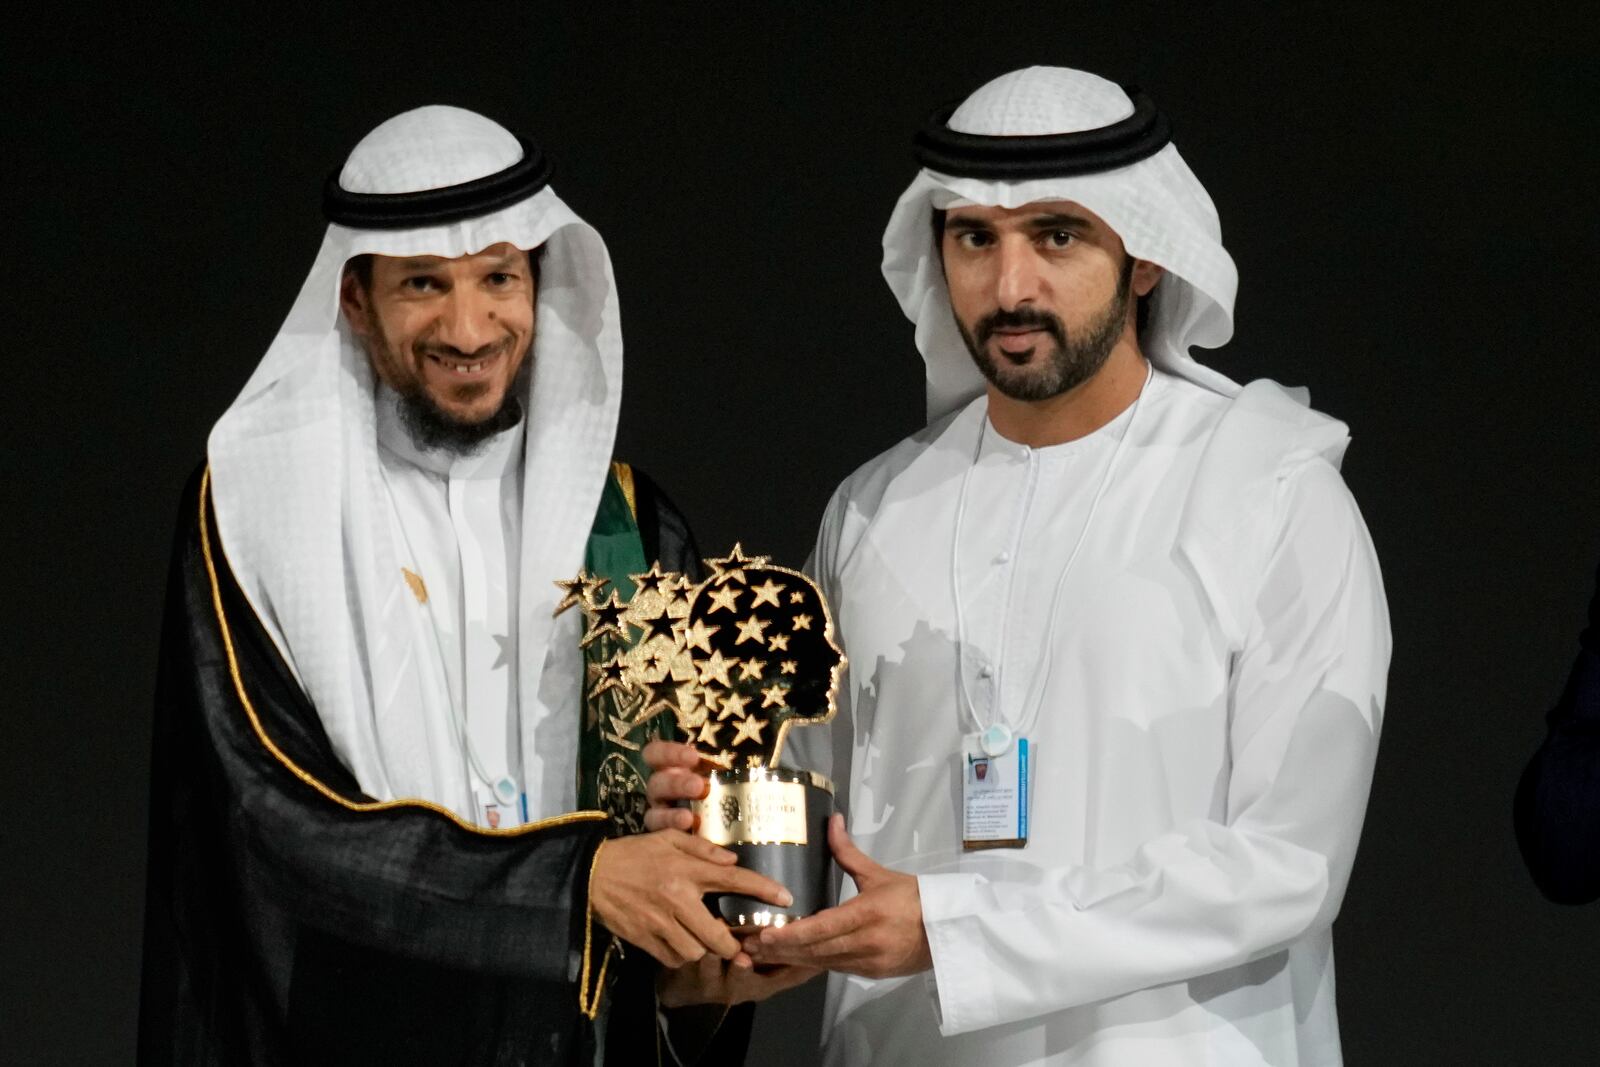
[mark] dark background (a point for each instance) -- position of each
(1408, 192)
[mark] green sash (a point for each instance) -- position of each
(611, 767)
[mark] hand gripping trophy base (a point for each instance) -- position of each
(776, 821)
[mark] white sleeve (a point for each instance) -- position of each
(1306, 705)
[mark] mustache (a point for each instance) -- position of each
(1019, 319)
(478, 355)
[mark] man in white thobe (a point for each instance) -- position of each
(1149, 579)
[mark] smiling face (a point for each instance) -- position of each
(448, 335)
(1042, 293)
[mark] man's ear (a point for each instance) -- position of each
(1145, 276)
(356, 303)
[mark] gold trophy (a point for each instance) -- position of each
(737, 660)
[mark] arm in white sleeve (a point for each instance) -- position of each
(1306, 704)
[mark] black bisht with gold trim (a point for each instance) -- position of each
(292, 920)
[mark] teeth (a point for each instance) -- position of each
(461, 368)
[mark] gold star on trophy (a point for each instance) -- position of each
(650, 582)
(698, 635)
(749, 730)
(750, 629)
(733, 706)
(766, 593)
(731, 567)
(605, 619)
(724, 599)
(715, 668)
(572, 591)
(612, 674)
(662, 625)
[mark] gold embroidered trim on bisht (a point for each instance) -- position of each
(623, 473)
(305, 776)
(589, 1002)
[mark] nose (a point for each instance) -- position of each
(466, 321)
(1018, 281)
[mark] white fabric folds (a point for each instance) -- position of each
(300, 503)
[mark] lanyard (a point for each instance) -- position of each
(997, 732)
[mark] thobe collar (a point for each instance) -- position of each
(994, 446)
(491, 460)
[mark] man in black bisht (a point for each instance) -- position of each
(382, 830)
(1558, 800)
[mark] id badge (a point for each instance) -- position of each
(496, 814)
(995, 791)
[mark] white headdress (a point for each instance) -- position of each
(295, 475)
(1004, 146)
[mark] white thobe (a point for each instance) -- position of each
(1204, 737)
(457, 522)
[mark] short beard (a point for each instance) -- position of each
(432, 428)
(1073, 361)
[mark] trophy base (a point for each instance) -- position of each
(776, 821)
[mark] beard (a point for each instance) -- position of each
(1072, 360)
(431, 427)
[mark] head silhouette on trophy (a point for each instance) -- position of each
(760, 639)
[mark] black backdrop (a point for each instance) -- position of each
(1408, 194)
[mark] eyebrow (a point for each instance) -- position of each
(1048, 220)
(1077, 222)
(429, 265)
